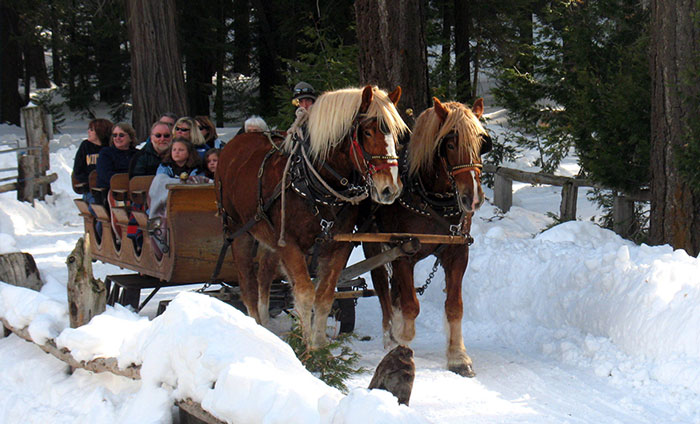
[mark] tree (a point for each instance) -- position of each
(675, 204)
(157, 82)
(10, 99)
(391, 37)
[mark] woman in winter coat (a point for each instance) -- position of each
(115, 158)
(208, 130)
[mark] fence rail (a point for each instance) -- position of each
(623, 203)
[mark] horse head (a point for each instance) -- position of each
(374, 141)
(460, 151)
(446, 147)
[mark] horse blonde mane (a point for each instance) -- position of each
(428, 132)
(331, 118)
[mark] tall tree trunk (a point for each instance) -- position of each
(34, 60)
(56, 59)
(157, 83)
(268, 56)
(390, 53)
(675, 209)
(221, 36)
(10, 99)
(241, 34)
(463, 29)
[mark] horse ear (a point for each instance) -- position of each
(440, 110)
(395, 95)
(367, 96)
(478, 108)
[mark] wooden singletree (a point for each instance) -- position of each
(157, 82)
(675, 208)
(391, 36)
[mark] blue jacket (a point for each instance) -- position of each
(112, 161)
(174, 171)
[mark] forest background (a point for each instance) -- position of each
(616, 82)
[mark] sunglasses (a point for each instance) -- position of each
(158, 135)
(203, 128)
(118, 135)
(181, 129)
(303, 90)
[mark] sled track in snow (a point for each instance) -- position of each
(108, 365)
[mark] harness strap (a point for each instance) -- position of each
(458, 169)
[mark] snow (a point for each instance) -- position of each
(564, 324)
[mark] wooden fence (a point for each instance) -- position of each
(33, 160)
(623, 203)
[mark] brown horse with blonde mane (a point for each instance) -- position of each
(349, 154)
(442, 191)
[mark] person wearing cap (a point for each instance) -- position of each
(304, 94)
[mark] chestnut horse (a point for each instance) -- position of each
(351, 144)
(442, 191)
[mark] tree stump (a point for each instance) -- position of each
(19, 269)
(87, 296)
(395, 374)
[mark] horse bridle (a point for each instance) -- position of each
(457, 169)
(356, 147)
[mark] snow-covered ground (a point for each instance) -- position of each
(572, 324)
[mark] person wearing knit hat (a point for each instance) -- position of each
(304, 95)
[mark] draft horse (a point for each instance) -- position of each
(349, 154)
(441, 171)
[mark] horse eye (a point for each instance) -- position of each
(451, 146)
(368, 133)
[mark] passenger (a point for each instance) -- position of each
(253, 124)
(99, 131)
(115, 158)
(208, 130)
(189, 129)
(169, 118)
(180, 165)
(180, 158)
(211, 159)
(147, 160)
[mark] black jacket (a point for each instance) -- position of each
(85, 160)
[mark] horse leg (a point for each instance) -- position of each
(268, 266)
(331, 262)
(404, 294)
(380, 282)
(294, 264)
(242, 250)
(454, 261)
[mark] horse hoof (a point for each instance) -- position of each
(465, 370)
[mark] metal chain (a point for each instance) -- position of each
(420, 290)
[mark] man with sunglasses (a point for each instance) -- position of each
(304, 95)
(147, 160)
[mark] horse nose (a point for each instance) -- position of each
(467, 201)
(387, 193)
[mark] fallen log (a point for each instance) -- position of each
(99, 365)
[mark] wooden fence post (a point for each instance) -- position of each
(624, 223)
(26, 176)
(569, 195)
(502, 192)
(35, 128)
